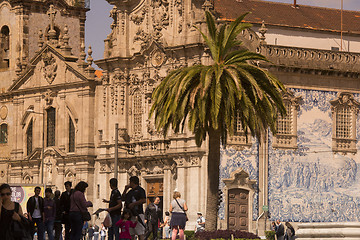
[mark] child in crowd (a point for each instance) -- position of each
(125, 224)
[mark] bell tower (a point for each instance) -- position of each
(25, 23)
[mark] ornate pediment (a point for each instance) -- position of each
(239, 178)
(345, 99)
(50, 68)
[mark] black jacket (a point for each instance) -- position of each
(30, 205)
(65, 201)
(152, 215)
(280, 231)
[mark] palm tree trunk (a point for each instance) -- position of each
(213, 179)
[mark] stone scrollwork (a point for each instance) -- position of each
(48, 96)
(50, 67)
(142, 37)
(139, 18)
(195, 161)
(189, 161)
(160, 17)
(103, 167)
(133, 171)
(180, 161)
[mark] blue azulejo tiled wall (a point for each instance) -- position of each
(312, 184)
(248, 160)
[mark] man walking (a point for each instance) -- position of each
(200, 223)
(115, 205)
(35, 209)
(153, 216)
(134, 200)
(280, 231)
(49, 213)
(65, 206)
(58, 216)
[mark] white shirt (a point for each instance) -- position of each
(37, 212)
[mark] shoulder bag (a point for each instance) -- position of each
(19, 230)
(187, 219)
(84, 215)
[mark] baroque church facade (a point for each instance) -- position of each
(58, 118)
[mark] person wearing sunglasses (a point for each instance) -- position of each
(9, 210)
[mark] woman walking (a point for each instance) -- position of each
(178, 220)
(78, 205)
(290, 232)
(9, 211)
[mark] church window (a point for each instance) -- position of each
(29, 138)
(286, 126)
(3, 133)
(138, 111)
(5, 46)
(344, 113)
(50, 130)
(71, 136)
(240, 139)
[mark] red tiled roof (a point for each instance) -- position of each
(283, 14)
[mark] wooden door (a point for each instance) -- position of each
(238, 209)
(154, 188)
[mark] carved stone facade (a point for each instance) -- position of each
(149, 38)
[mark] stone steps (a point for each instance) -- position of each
(329, 231)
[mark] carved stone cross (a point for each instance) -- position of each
(52, 13)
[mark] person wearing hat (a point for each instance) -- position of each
(200, 223)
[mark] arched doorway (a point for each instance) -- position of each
(239, 191)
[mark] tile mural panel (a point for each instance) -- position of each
(312, 184)
(246, 159)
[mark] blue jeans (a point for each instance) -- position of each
(49, 227)
(114, 230)
(167, 232)
(40, 227)
(76, 223)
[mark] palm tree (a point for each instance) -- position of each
(213, 97)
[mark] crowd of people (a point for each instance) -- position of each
(65, 216)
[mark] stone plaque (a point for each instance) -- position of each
(3, 112)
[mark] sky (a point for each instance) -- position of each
(98, 21)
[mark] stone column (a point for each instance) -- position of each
(193, 189)
(181, 176)
(167, 188)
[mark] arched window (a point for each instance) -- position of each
(29, 138)
(71, 136)
(3, 133)
(50, 130)
(138, 111)
(5, 46)
(5, 38)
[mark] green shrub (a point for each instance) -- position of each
(270, 235)
(190, 235)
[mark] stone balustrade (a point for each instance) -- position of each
(311, 58)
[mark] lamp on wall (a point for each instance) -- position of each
(43, 143)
